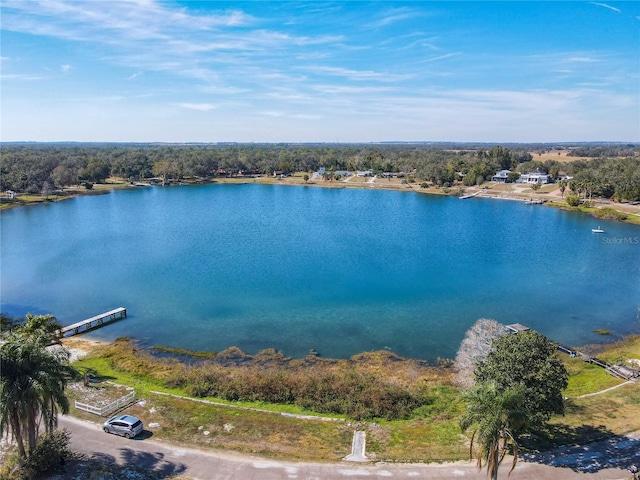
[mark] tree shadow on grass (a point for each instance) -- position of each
(584, 449)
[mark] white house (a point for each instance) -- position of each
(501, 177)
(535, 177)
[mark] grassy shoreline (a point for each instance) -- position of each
(431, 434)
(495, 191)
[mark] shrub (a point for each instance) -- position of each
(609, 214)
(345, 392)
(572, 200)
(49, 455)
(11, 466)
(88, 185)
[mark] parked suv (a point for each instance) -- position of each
(124, 425)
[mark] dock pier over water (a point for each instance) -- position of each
(93, 322)
(621, 371)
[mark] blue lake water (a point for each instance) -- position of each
(338, 270)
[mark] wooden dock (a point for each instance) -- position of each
(621, 371)
(93, 322)
(516, 327)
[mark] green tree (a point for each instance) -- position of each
(166, 170)
(502, 156)
(32, 385)
(529, 360)
(63, 175)
(96, 171)
(513, 176)
(494, 416)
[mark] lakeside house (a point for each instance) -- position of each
(535, 177)
(341, 173)
(501, 177)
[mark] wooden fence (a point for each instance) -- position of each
(107, 409)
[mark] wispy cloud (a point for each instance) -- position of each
(396, 15)
(369, 65)
(202, 107)
(358, 75)
(22, 76)
(606, 6)
(283, 114)
(151, 35)
(441, 57)
(582, 60)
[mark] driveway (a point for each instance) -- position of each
(601, 461)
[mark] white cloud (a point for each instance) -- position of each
(396, 15)
(154, 36)
(606, 6)
(441, 57)
(22, 76)
(202, 107)
(582, 60)
(266, 72)
(306, 116)
(296, 116)
(358, 74)
(65, 68)
(272, 113)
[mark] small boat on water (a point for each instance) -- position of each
(597, 230)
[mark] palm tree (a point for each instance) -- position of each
(494, 418)
(32, 387)
(45, 325)
(563, 187)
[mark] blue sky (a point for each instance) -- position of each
(312, 71)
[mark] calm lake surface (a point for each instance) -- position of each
(338, 270)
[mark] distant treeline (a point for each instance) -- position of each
(43, 168)
(603, 151)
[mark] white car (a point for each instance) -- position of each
(124, 425)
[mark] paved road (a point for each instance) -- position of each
(602, 461)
